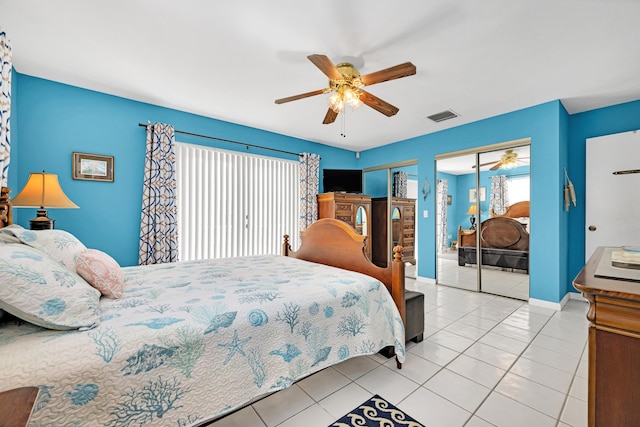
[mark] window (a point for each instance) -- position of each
(518, 189)
(234, 204)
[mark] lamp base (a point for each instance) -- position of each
(41, 221)
(472, 219)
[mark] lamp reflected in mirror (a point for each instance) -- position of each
(41, 191)
(473, 211)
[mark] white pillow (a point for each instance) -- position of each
(41, 291)
(8, 238)
(60, 245)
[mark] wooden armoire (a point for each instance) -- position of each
(403, 220)
(354, 209)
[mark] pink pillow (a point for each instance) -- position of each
(101, 271)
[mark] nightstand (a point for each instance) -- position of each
(16, 406)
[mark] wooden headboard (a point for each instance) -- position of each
(518, 210)
(5, 207)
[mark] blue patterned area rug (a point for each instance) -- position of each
(376, 412)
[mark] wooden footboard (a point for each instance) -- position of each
(332, 242)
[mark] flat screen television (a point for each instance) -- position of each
(342, 180)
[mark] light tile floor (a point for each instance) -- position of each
(485, 361)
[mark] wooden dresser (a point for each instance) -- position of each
(614, 346)
(354, 209)
(403, 229)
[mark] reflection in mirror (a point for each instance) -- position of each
(504, 228)
(503, 182)
(455, 180)
(379, 184)
(396, 228)
(361, 221)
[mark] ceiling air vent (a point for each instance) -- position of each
(442, 116)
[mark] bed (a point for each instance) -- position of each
(504, 240)
(188, 342)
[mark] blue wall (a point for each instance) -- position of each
(542, 124)
(51, 120)
(604, 121)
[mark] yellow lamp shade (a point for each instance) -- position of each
(42, 191)
(472, 210)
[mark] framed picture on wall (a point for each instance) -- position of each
(449, 199)
(472, 194)
(92, 167)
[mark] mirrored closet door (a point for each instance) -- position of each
(393, 190)
(483, 222)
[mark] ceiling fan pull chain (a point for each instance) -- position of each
(343, 124)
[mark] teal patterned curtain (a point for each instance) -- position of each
(309, 184)
(499, 200)
(441, 206)
(5, 106)
(159, 221)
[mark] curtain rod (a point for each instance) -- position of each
(229, 141)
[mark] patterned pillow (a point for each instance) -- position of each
(101, 271)
(41, 291)
(60, 245)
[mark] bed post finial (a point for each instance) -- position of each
(397, 252)
(285, 245)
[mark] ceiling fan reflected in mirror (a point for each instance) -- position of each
(508, 160)
(346, 85)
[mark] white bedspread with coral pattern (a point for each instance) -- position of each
(193, 340)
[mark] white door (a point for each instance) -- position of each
(612, 205)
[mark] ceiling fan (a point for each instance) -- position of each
(346, 83)
(508, 160)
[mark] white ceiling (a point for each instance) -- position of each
(231, 60)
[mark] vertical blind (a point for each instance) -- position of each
(234, 204)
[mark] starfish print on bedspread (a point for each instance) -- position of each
(380, 303)
(235, 346)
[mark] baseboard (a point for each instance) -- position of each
(577, 296)
(557, 305)
(548, 304)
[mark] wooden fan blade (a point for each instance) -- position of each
(330, 117)
(496, 166)
(302, 95)
(378, 104)
(325, 65)
(402, 70)
(485, 164)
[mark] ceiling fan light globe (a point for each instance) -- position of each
(355, 103)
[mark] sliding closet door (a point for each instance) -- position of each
(503, 221)
(455, 238)
(475, 251)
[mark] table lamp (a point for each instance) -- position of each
(42, 191)
(472, 211)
